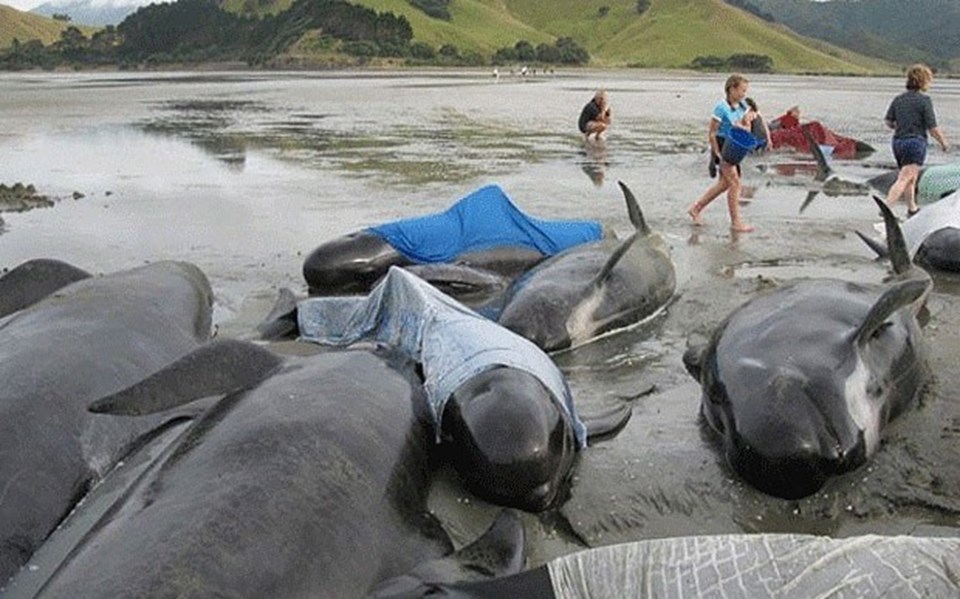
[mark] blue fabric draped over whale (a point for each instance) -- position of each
(452, 342)
(484, 219)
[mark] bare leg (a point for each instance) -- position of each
(905, 183)
(729, 173)
(712, 193)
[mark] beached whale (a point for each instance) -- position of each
(34, 280)
(593, 288)
(85, 340)
(933, 183)
(484, 230)
(742, 566)
(800, 381)
(503, 414)
(308, 478)
(932, 236)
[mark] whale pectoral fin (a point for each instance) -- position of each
(215, 368)
(281, 322)
(607, 424)
(811, 195)
(611, 262)
(496, 553)
(693, 360)
(633, 210)
(893, 298)
(896, 245)
(873, 244)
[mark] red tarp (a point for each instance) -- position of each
(843, 147)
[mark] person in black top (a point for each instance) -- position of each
(595, 116)
(911, 116)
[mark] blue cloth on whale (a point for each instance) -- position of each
(452, 342)
(484, 219)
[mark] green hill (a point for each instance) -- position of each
(25, 26)
(670, 34)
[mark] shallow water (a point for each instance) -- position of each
(244, 174)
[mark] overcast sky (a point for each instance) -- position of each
(28, 4)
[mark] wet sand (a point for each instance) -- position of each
(245, 174)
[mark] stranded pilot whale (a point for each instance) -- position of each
(503, 414)
(484, 230)
(308, 478)
(88, 338)
(592, 288)
(800, 381)
(932, 236)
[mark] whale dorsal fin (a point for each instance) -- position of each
(894, 297)
(633, 209)
(823, 167)
(896, 245)
(281, 322)
(611, 262)
(215, 368)
(495, 554)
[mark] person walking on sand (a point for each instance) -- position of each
(595, 116)
(911, 117)
(728, 113)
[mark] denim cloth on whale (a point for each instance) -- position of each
(484, 219)
(452, 342)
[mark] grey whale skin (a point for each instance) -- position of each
(590, 289)
(308, 478)
(79, 339)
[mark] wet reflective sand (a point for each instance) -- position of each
(244, 174)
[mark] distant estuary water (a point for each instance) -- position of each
(245, 173)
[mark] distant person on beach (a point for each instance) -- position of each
(754, 121)
(727, 114)
(595, 116)
(911, 117)
(787, 120)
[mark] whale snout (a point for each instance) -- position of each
(800, 439)
(509, 440)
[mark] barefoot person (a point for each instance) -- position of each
(911, 116)
(728, 113)
(595, 116)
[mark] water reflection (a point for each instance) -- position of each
(596, 163)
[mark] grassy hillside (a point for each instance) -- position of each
(25, 26)
(669, 34)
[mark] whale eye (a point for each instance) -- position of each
(881, 329)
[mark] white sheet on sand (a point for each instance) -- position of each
(941, 214)
(763, 565)
(452, 342)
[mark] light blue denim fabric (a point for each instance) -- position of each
(452, 342)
